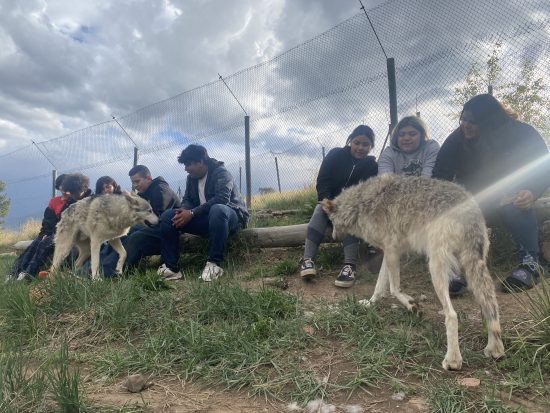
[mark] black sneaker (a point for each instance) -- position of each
(457, 286)
(346, 278)
(524, 277)
(307, 269)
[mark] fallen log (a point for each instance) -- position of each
(267, 237)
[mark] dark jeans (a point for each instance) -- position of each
(220, 222)
(140, 242)
(35, 256)
(522, 225)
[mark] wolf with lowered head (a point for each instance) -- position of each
(93, 220)
(436, 218)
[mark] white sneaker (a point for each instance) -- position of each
(211, 272)
(168, 274)
(24, 276)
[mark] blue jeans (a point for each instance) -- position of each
(217, 225)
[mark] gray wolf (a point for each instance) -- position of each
(436, 218)
(93, 220)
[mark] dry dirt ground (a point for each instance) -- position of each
(177, 396)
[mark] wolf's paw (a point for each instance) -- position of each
(452, 363)
(495, 351)
(367, 303)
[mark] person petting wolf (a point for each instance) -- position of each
(411, 151)
(211, 206)
(506, 165)
(341, 168)
(142, 241)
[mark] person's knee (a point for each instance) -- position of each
(219, 212)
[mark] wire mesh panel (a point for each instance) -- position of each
(307, 100)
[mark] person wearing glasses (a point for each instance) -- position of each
(505, 163)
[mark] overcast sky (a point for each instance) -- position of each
(67, 64)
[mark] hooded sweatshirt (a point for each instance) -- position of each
(160, 196)
(516, 150)
(418, 163)
(340, 170)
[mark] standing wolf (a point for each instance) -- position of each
(436, 218)
(93, 220)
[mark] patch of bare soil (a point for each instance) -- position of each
(173, 396)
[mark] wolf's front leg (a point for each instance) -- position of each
(381, 287)
(95, 245)
(392, 259)
(117, 246)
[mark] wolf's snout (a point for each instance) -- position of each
(149, 223)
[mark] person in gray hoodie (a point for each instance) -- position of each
(411, 152)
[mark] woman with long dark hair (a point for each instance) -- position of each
(341, 168)
(505, 164)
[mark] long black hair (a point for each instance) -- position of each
(106, 180)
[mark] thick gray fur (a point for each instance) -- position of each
(432, 217)
(93, 220)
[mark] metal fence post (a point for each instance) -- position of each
(135, 155)
(323, 149)
(490, 89)
(278, 177)
(54, 178)
(247, 161)
(392, 88)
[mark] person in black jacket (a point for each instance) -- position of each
(505, 164)
(211, 206)
(341, 168)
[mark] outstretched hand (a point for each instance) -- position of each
(524, 199)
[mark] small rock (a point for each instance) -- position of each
(399, 396)
(469, 382)
(135, 383)
(394, 306)
(423, 297)
(309, 314)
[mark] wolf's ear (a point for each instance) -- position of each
(328, 206)
(129, 196)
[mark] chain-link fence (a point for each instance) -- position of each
(307, 100)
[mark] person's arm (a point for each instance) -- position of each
(386, 164)
(536, 178)
(325, 177)
(163, 199)
(432, 149)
